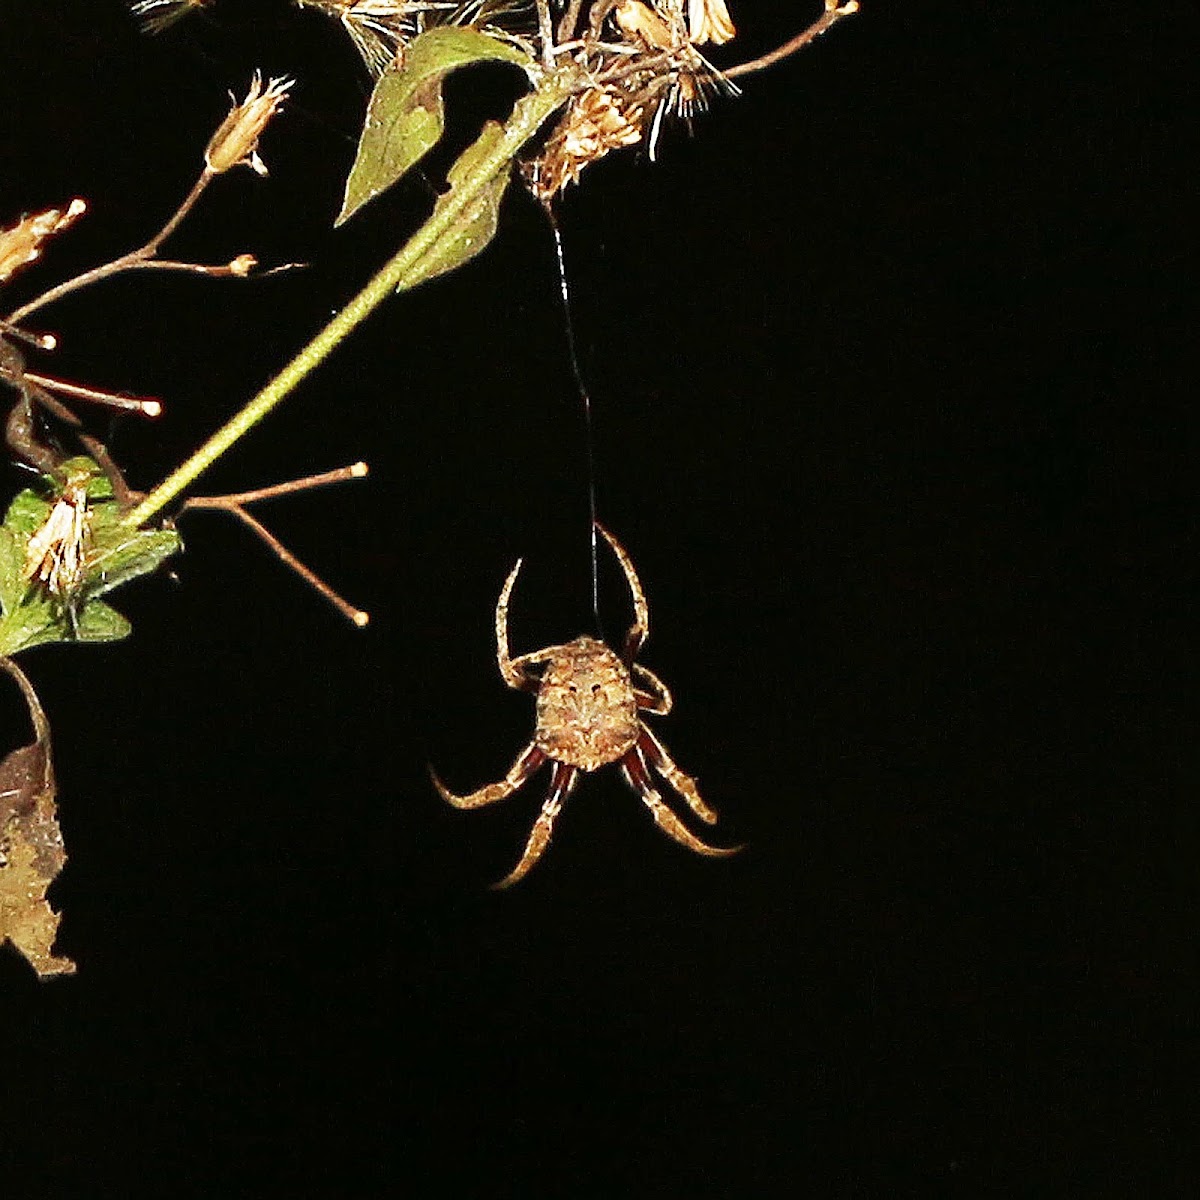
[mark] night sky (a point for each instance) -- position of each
(892, 370)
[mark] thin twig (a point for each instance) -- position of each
(125, 496)
(546, 34)
(570, 19)
(40, 341)
(134, 258)
(833, 13)
(527, 119)
(651, 63)
(234, 503)
(146, 406)
(356, 470)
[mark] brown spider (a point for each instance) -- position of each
(587, 716)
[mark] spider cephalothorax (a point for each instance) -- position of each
(588, 705)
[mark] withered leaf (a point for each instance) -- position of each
(31, 846)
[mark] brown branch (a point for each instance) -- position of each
(40, 341)
(145, 405)
(125, 262)
(833, 13)
(570, 20)
(546, 33)
(638, 65)
(233, 503)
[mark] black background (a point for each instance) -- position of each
(895, 413)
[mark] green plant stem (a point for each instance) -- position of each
(527, 118)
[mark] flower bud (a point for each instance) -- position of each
(236, 141)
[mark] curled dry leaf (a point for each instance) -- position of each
(31, 846)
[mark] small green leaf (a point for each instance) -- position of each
(405, 117)
(120, 554)
(32, 622)
(100, 623)
(115, 554)
(475, 227)
(27, 513)
(12, 563)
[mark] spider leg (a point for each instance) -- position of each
(639, 631)
(533, 658)
(562, 782)
(634, 767)
(655, 698)
(526, 763)
(657, 756)
(513, 670)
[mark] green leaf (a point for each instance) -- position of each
(406, 117)
(120, 554)
(476, 225)
(27, 513)
(33, 622)
(100, 623)
(115, 554)
(12, 562)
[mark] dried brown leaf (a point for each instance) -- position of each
(31, 846)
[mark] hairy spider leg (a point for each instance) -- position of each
(656, 755)
(527, 762)
(633, 765)
(562, 783)
(639, 631)
(512, 669)
(654, 699)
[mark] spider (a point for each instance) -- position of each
(588, 704)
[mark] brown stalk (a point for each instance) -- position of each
(832, 14)
(145, 405)
(134, 258)
(234, 503)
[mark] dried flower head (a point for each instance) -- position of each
(236, 140)
(640, 23)
(56, 552)
(22, 243)
(242, 265)
(593, 124)
(380, 29)
(709, 21)
(157, 15)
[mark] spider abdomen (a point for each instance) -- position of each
(586, 709)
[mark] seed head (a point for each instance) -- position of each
(22, 243)
(236, 140)
(641, 23)
(594, 124)
(708, 21)
(56, 552)
(157, 15)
